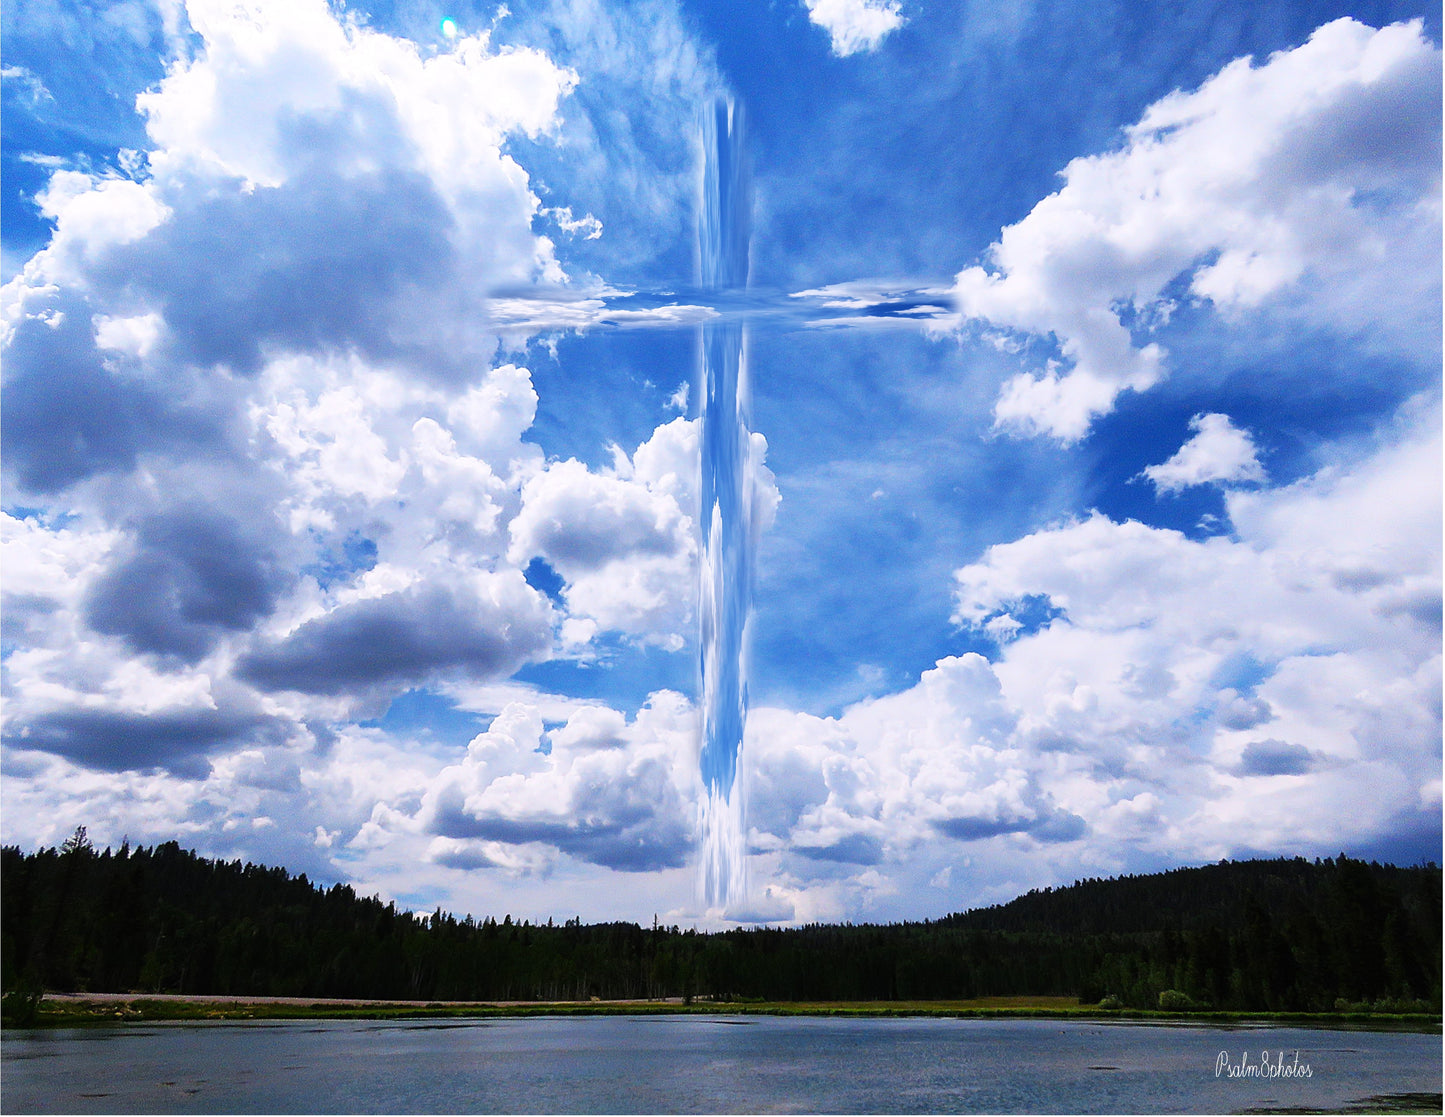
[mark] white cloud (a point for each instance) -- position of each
(580, 521)
(267, 514)
(856, 25)
(894, 774)
(586, 224)
(374, 173)
(265, 65)
(624, 540)
(135, 336)
(1219, 452)
(333, 446)
(302, 156)
(34, 88)
(1191, 699)
(1172, 659)
(1267, 180)
(273, 500)
(625, 549)
(607, 792)
(92, 216)
(492, 416)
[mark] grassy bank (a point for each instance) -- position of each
(52, 1012)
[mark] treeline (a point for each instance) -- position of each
(1282, 935)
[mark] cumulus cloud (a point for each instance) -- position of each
(117, 740)
(484, 630)
(1181, 700)
(624, 540)
(194, 573)
(625, 549)
(580, 521)
(1308, 171)
(604, 791)
(373, 248)
(259, 374)
(1177, 700)
(327, 171)
(273, 472)
(894, 773)
(856, 25)
(1175, 666)
(1218, 452)
(268, 429)
(1275, 758)
(70, 695)
(71, 413)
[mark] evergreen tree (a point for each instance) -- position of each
(1249, 935)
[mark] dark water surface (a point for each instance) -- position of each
(699, 1064)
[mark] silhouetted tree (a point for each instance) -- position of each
(1249, 935)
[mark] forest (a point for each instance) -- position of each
(1259, 935)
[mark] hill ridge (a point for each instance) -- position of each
(1276, 934)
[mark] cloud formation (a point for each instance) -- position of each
(341, 532)
(1219, 452)
(1184, 700)
(193, 575)
(403, 638)
(1311, 169)
(1181, 668)
(72, 411)
(258, 370)
(856, 26)
(602, 791)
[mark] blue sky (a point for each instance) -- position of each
(351, 436)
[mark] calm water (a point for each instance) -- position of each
(692, 1064)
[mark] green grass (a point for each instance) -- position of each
(53, 1013)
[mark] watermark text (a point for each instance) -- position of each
(1264, 1067)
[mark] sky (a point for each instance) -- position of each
(350, 431)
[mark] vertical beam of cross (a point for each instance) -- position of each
(726, 487)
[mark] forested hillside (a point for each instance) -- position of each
(1251, 935)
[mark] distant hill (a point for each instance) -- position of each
(1284, 932)
(1214, 896)
(1246, 935)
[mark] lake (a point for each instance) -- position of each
(704, 1064)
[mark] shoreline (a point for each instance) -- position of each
(61, 1010)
